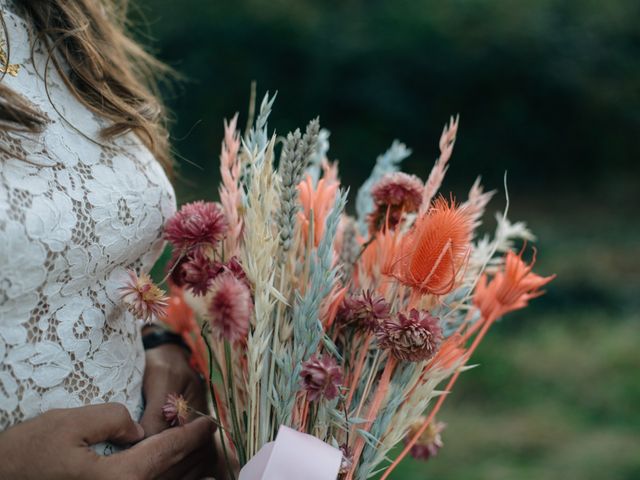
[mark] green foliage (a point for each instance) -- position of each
(546, 89)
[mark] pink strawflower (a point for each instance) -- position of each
(321, 377)
(395, 194)
(367, 310)
(413, 337)
(195, 224)
(175, 410)
(230, 308)
(143, 298)
(429, 443)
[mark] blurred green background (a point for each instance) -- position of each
(547, 90)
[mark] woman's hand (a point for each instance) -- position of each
(168, 371)
(56, 445)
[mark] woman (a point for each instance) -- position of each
(83, 197)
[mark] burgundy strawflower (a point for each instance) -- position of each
(366, 310)
(230, 307)
(174, 267)
(175, 410)
(398, 189)
(413, 337)
(143, 298)
(234, 266)
(429, 443)
(321, 377)
(196, 271)
(195, 224)
(395, 194)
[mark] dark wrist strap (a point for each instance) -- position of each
(156, 338)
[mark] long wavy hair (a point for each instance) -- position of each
(104, 67)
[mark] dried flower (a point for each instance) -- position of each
(195, 224)
(429, 443)
(196, 271)
(230, 308)
(234, 266)
(398, 189)
(175, 410)
(367, 310)
(319, 200)
(143, 298)
(509, 289)
(431, 256)
(347, 460)
(321, 377)
(395, 194)
(413, 337)
(174, 268)
(180, 318)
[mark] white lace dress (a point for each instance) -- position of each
(74, 215)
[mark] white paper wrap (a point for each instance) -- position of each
(293, 456)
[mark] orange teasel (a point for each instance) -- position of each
(510, 289)
(432, 255)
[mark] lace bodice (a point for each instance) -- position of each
(74, 215)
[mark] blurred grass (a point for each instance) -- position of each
(555, 402)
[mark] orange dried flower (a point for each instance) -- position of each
(180, 318)
(319, 199)
(431, 256)
(509, 289)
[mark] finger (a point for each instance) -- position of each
(193, 467)
(157, 385)
(167, 372)
(157, 454)
(106, 422)
(196, 394)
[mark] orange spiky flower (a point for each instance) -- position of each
(509, 289)
(432, 255)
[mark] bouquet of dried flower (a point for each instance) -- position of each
(350, 329)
